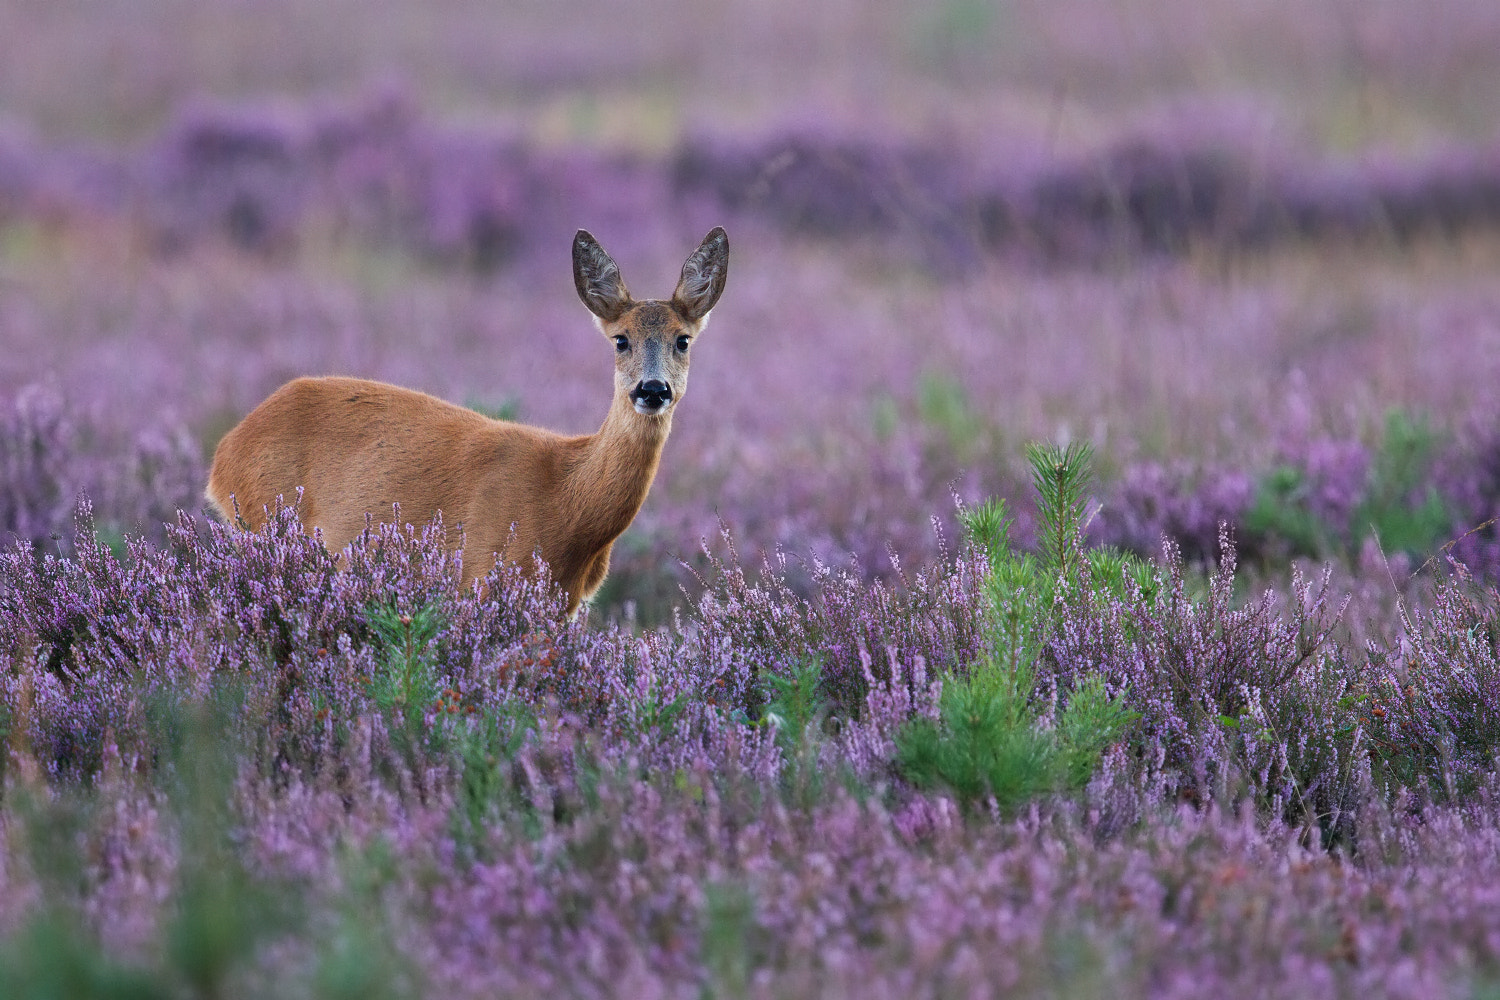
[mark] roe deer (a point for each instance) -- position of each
(357, 447)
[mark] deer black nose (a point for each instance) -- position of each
(652, 394)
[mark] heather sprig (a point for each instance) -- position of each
(1238, 697)
(1330, 499)
(1414, 490)
(760, 625)
(52, 456)
(1432, 703)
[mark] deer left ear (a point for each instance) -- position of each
(597, 278)
(703, 277)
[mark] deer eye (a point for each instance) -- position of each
(682, 343)
(622, 343)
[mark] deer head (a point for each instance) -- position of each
(652, 338)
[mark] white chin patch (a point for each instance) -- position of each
(652, 411)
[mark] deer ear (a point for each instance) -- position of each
(703, 276)
(597, 278)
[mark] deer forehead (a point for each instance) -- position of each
(651, 319)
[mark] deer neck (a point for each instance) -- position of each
(614, 474)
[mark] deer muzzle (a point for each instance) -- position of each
(651, 396)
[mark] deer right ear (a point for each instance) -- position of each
(703, 276)
(597, 278)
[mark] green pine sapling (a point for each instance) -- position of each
(989, 739)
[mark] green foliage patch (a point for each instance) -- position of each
(991, 738)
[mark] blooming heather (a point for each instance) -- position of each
(471, 793)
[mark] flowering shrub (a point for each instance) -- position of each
(1432, 705)
(1414, 494)
(38, 444)
(378, 171)
(135, 482)
(650, 840)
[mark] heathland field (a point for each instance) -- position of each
(1073, 571)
